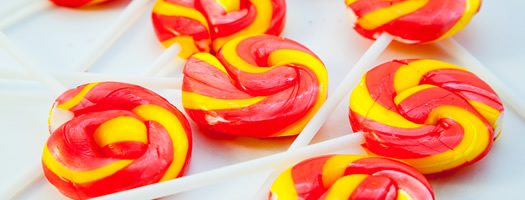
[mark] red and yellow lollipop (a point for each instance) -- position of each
(78, 3)
(351, 177)
(260, 86)
(411, 21)
(431, 114)
(206, 25)
(108, 137)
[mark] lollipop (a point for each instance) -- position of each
(206, 25)
(108, 137)
(351, 177)
(411, 21)
(432, 114)
(77, 3)
(259, 86)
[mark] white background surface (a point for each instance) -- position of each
(58, 37)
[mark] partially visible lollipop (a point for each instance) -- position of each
(426, 21)
(206, 25)
(429, 113)
(411, 21)
(78, 3)
(351, 177)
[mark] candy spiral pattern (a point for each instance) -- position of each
(351, 177)
(431, 114)
(108, 137)
(77, 3)
(411, 21)
(259, 86)
(201, 25)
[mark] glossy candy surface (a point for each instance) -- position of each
(108, 137)
(77, 3)
(351, 177)
(431, 114)
(259, 86)
(411, 21)
(206, 25)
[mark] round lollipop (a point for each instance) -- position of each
(108, 137)
(206, 25)
(411, 21)
(351, 177)
(259, 86)
(432, 114)
(77, 3)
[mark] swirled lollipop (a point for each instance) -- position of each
(77, 3)
(201, 25)
(108, 137)
(411, 21)
(260, 86)
(431, 114)
(351, 177)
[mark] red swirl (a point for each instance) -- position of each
(351, 177)
(115, 137)
(260, 86)
(432, 114)
(205, 25)
(78, 3)
(412, 21)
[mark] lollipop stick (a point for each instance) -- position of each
(124, 21)
(237, 170)
(350, 81)
(42, 75)
(23, 11)
(86, 77)
(471, 63)
(170, 54)
(52, 84)
(11, 190)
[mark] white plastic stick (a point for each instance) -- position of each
(52, 84)
(288, 158)
(86, 77)
(474, 65)
(26, 179)
(124, 21)
(40, 74)
(169, 55)
(23, 11)
(350, 81)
